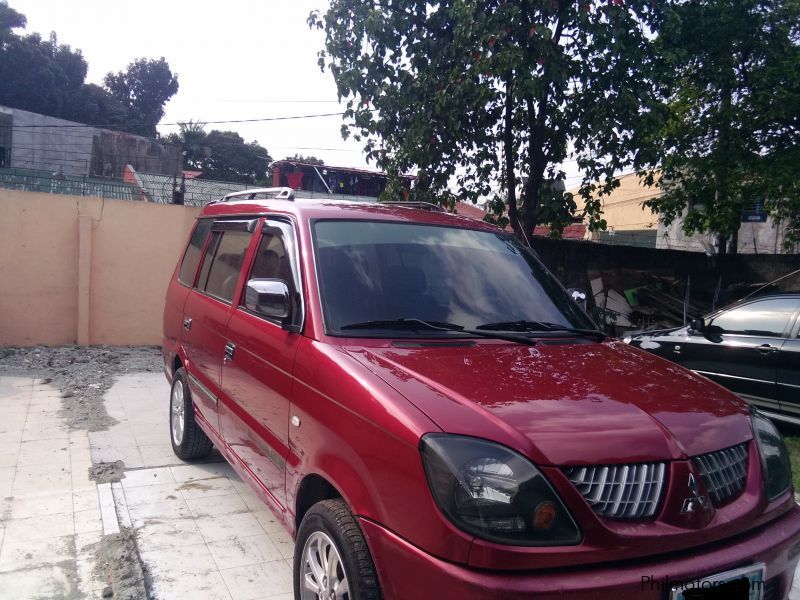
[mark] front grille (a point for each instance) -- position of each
(620, 491)
(724, 473)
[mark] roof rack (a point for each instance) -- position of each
(272, 193)
(418, 205)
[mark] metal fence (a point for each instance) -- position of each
(29, 180)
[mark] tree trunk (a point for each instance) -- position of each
(733, 244)
(537, 162)
(722, 244)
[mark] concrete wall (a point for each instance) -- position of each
(44, 143)
(570, 261)
(85, 270)
(49, 144)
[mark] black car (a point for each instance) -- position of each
(751, 347)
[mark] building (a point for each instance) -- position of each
(758, 234)
(34, 142)
(329, 181)
(630, 223)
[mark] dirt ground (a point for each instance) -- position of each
(83, 374)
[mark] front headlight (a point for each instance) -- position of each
(774, 457)
(494, 493)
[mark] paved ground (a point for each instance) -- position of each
(50, 520)
(198, 530)
(149, 522)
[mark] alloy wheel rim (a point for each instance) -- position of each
(177, 412)
(322, 571)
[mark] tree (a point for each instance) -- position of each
(308, 160)
(488, 93)
(143, 89)
(47, 77)
(733, 133)
(9, 21)
(40, 75)
(222, 155)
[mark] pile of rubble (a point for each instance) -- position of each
(630, 300)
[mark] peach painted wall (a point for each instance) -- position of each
(84, 269)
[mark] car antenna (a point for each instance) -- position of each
(771, 282)
(524, 234)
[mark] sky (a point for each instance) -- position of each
(235, 59)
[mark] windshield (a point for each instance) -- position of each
(384, 271)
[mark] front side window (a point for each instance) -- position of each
(271, 261)
(376, 271)
(276, 258)
(766, 317)
(222, 263)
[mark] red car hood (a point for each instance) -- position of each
(564, 402)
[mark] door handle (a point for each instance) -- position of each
(765, 349)
(230, 348)
(187, 323)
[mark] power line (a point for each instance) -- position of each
(177, 124)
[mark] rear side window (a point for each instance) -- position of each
(222, 263)
(192, 256)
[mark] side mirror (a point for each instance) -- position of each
(268, 297)
(697, 325)
(578, 296)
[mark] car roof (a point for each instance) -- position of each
(313, 209)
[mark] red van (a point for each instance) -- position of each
(431, 415)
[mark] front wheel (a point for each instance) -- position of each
(331, 558)
(188, 440)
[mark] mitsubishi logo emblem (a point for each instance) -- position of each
(696, 501)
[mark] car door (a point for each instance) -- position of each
(789, 370)
(257, 374)
(207, 310)
(182, 283)
(739, 348)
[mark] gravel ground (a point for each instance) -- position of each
(83, 374)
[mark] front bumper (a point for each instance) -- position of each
(405, 571)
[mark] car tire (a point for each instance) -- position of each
(329, 531)
(188, 440)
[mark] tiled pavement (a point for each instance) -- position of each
(49, 511)
(200, 532)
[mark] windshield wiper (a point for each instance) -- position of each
(539, 326)
(417, 324)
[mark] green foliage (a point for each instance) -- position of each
(308, 160)
(9, 20)
(732, 137)
(477, 94)
(222, 155)
(46, 77)
(40, 75)
(144, 88)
